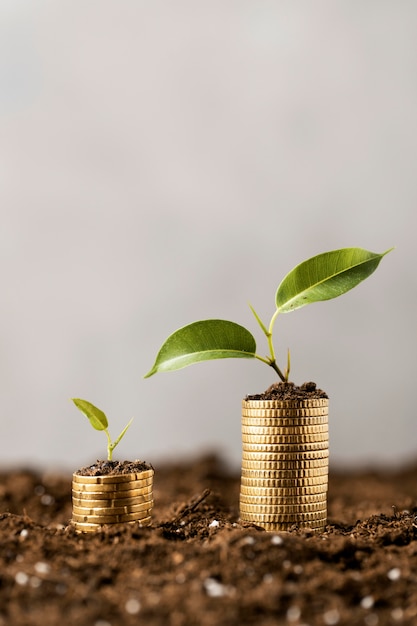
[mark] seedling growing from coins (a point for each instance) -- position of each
(98, 420)
(319, 278)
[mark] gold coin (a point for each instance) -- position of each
(248, 411)
(111, 495)
(273, 431)
(286, 404)
(305, 481)
(276, 497)
(87, 527)
(286, 509)
(112, 519)
(269, 455)
(273, 483)
(268, 440)
(257, 421)
(113, 502)
(121, 510)
(286, 464)
(284, 473)
(112, 478)
(124, 486)
(279, 492)
(274, 527)
(283, 517)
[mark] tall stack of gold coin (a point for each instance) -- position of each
(111, 499)
(285, 463)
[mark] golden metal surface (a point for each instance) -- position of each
(112, 487)
(254, 498)
(121, 510)
(86, 527)
(318, 517)
(285, 473)
(111, 495)
(290, 490)
(286, 509)
(273, 431)
(303, 462)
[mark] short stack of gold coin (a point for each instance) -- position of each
(111, 499)
(284, 463)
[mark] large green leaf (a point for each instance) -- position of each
(325, 276)
(203, 341)
(97, 418)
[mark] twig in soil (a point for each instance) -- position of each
(190, 507)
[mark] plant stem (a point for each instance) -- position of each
(109, 446)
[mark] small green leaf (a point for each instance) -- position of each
(203, 341)
(97, 418)
(325, 276)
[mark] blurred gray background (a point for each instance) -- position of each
(163, 162)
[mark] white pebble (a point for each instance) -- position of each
(42, 568)
(331, 617)
(214, 589)
(394, 574)
(132, 606)
(249, 541)
(397, 614)
(293, 614)
(214, 524)
(367, 602)
(21, 578)
(47, 500)
(298, 569)
(276, 540)
(24, 533)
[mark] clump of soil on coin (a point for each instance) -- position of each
(197, 564)
(107, 468)
(289, 391)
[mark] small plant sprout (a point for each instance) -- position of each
(98, 420)
(319, 278)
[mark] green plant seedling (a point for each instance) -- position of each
(319, 278)
(98, 420)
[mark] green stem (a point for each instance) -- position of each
(271, 361)
(109, 446)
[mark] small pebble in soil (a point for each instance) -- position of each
(214, 589)
(42, 568)
(47, 499)
(35, 582)
(214, 524)
(132, 606)
(21, 578)
(249, 541)
(397, 614)
(24, 533)
(276, 540)
(394, 574)
(293, 614)
(367, 602)
(331, 617)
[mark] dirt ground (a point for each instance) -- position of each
(198, 566)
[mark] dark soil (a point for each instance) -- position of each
(197, 565)
(105, 468)
(289, 391)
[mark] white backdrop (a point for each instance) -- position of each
(168, 161)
